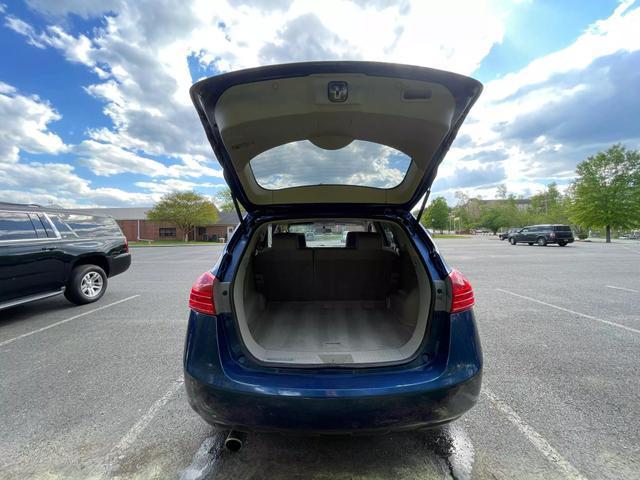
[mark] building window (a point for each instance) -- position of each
(167, 232)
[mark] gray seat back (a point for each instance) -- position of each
(285, 271)
(362, 271)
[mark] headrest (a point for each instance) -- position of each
(288, 241)
(364, 240)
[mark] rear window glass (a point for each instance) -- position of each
(326, 234)
(360, 163)
(87, 226)
(562, 228)
(16, 226)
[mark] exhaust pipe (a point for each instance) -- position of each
(235, 440)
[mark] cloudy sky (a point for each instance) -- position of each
(94, 106)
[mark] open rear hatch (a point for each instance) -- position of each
(332, 132)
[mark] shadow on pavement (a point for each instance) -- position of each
(441, 453)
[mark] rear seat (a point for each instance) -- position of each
(362, 271)
(285, 271)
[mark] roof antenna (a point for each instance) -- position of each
(424, 202)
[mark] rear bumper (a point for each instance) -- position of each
(119, 264)
(558, 240)
(225, 393)
(353, 415)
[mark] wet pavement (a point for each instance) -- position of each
(98, 394)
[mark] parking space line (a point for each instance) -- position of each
(584, 315)
(538, 441)
(11, 340)
(129, 438)
(622, 288)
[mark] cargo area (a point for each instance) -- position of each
(351, 297)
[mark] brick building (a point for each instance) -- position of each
(135, 225)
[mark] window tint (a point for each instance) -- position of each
(562, 228)
(88, 226)
(360, 163)
(64, 229)
(16, 226)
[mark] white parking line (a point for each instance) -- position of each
(129, 438)
(622, 288)
(538, 441)
(584, 315)
(11, 340)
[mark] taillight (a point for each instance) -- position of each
(126, 245)
(201, 297)
(461, 292)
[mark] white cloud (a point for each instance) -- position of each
(24, 123)
(145, 56)
(140, 56)
(57, 183)
(540, 121)
(24, 128)
(171, 185)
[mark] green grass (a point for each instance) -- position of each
(169, 243)
(447, 235)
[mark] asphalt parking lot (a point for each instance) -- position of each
(96, 391)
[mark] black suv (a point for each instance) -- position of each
(47, 252)
(542, 235)
(506, 234)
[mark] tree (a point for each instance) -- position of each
(186, 209)
(503, 213)
(225, 200)
(437, 215)
(606, 192)
(546, 201)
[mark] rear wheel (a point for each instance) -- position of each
(562, 243)
(530, 243)
(86, 285)
(512, 241)
(542, 241)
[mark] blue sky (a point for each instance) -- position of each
(94, 106)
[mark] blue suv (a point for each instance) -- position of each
(330, 309)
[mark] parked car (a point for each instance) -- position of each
(376, 334)
(504, 235)
(47, 252)
(543, 235)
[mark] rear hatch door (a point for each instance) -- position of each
(323, 134)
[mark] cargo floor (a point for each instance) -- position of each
(329, 326)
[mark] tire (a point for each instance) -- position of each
(530, 243)
(512, 241)
(562, 243)
(86, 285)
(542, 241)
